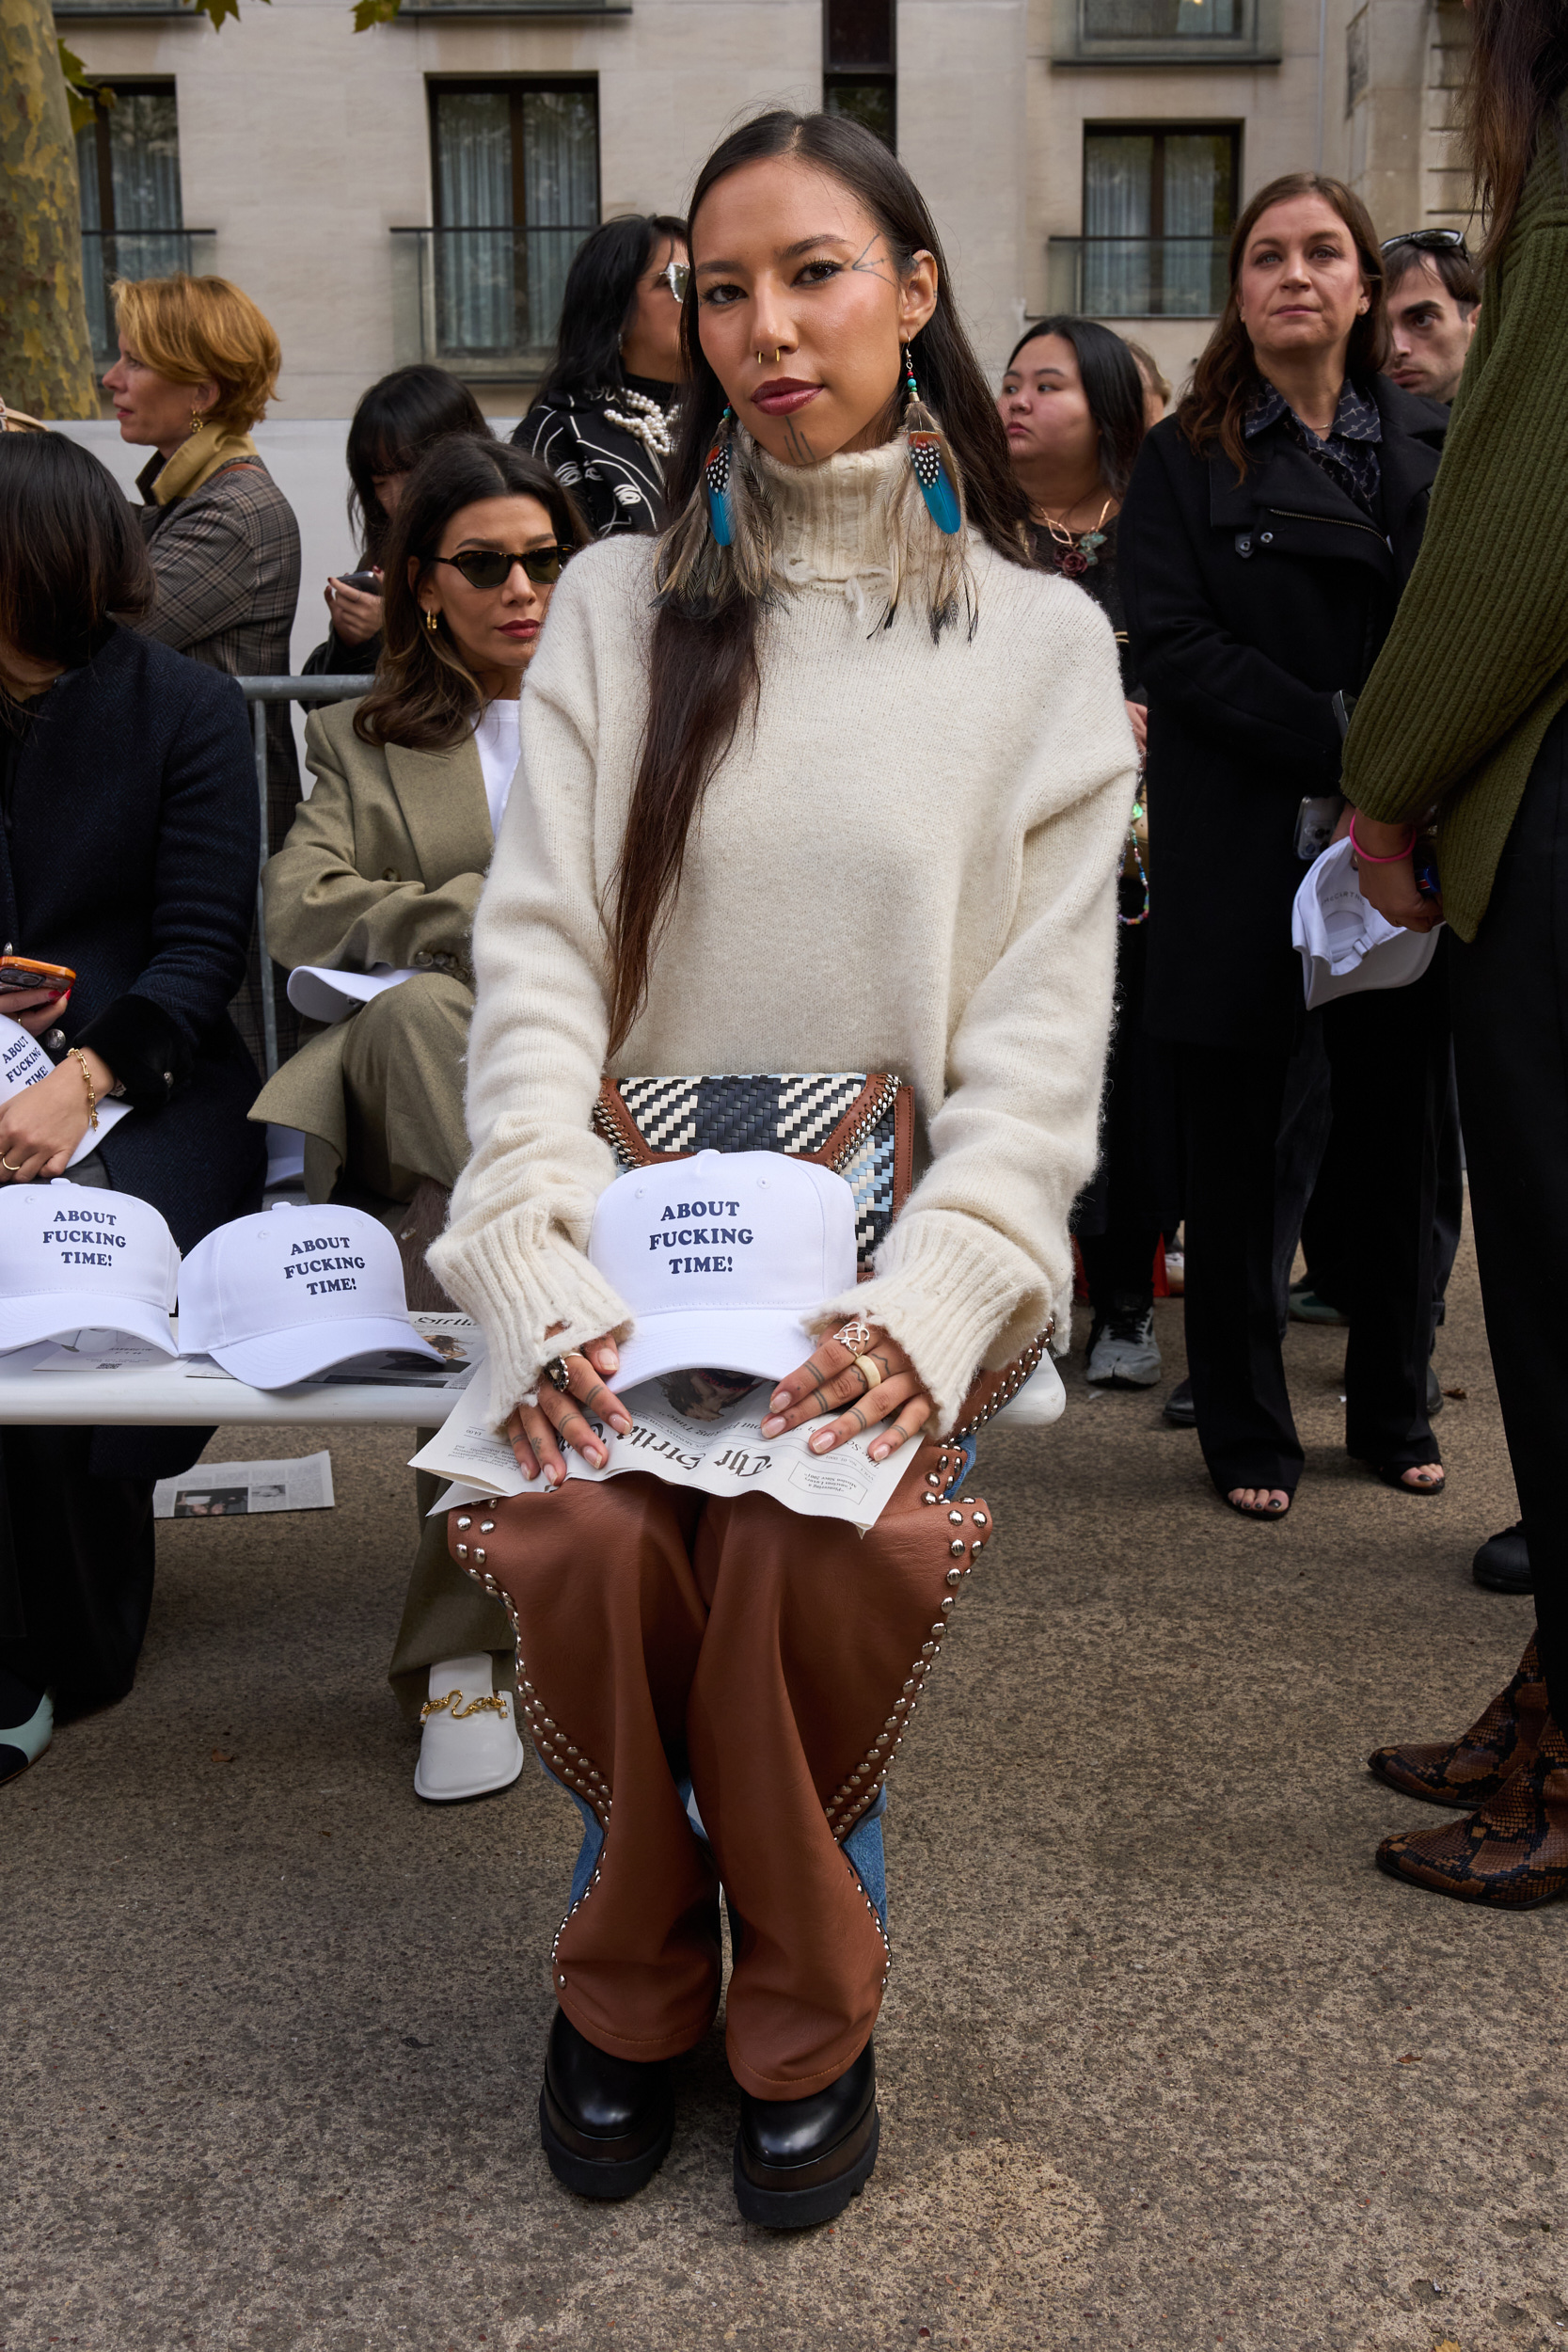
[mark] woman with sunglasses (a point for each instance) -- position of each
(381, 872)
(604, 418)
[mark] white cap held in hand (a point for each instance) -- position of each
(720, 1256)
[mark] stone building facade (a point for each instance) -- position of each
(417, 190)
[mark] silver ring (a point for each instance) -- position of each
(556, 1374)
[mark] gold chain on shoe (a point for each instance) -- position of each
(495, 1701)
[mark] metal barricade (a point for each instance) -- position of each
(258, 692)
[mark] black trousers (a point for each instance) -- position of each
(76, 1587)
(1388, 1056)
(1511, 1043)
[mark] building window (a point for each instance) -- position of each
(1158, 209)
(859, 72)
(128, 162)
(1162, 20)
(517, 173)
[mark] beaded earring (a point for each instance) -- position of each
(198, 421)
(930, 458)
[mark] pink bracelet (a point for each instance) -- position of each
(1365, 856)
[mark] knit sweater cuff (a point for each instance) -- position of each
(951, 1291)
(517, 1283)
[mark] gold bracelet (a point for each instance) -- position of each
(81, 1061)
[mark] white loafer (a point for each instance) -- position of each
(22, 1744)
(470, 1746)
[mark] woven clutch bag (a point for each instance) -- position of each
(861, 1123)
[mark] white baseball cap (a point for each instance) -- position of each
(279, 1297)
(720, 1256)
(75, 1255)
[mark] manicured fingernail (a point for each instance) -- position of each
(597, 1454)
(609, 1357)
(877, 1453)
(621, 1423)
(773, 1426)
(553, 1473)
(822, 1442)
(779, 1399)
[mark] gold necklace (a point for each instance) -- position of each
(1064, 538)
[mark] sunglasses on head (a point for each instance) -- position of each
(491, 567)
(1429, 241)
(677, 276)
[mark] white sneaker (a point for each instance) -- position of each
(1123, 1351)
(470, 1746)
(22, 1744)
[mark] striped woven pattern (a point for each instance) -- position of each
(781, 1112)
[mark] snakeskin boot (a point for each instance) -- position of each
(1513, 1854)
(1471, 1769)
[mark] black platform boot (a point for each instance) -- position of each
(800, 2161)
(605, 2122)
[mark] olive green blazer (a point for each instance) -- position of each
(384, 863)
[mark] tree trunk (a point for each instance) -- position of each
(45, 352)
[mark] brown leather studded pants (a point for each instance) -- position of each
(774, 1660)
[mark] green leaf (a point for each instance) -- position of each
(83, 97)
(370, 12)
(216, 11)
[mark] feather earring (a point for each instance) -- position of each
(721, 545)
(931, 458)
(717, 468)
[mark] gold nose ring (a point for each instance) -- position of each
(762, 357)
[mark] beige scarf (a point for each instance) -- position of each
(197, 459)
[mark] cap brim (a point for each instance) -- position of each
(280, 1358)
(24, 1320)
(763, 1342)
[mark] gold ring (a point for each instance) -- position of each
(762, 357)
(5, 1162)
(870, 1372)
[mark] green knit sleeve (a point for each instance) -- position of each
(1482, 627)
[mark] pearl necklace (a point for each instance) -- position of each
(653, 425)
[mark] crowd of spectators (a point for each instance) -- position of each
(1250, 551)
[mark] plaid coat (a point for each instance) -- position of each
(226, 560)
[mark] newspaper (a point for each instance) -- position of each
(686, 1437)
(227, 1490)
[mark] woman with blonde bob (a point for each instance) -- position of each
(197, 365)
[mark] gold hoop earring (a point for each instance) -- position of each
(430, 621)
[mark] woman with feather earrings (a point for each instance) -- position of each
(827, 779)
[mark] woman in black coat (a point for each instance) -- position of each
(604, 418)
(1268, 531)
(128, 849)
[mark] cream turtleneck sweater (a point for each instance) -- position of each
(908, 864)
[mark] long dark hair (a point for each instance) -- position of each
(703, 671)
(396, 422)
(1214, 406)
(1112, 388)
(425, 698)
(601, 287)
(70, 555)
(1518, 69)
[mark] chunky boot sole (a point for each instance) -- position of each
(610, 2178)
(805, 2208)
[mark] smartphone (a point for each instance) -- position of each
(1316, 819)
(20, 972)
(368, 584)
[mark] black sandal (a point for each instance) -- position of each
(1393, 1474)
(1271, 1514)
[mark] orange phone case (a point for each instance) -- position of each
(31, 972)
